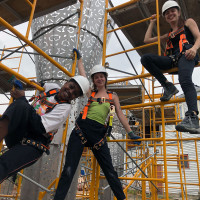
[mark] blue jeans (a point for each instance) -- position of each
(156, 64)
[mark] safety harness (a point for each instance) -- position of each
(182, 41)
(50, 135)
(80, 133)
(36, 144)
(43, 99)
(100, 100)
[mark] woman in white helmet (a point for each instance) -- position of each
(90, 131)
(29, 129)
(182, 43)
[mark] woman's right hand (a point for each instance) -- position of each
(153, 18)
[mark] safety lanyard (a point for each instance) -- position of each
(183, 40)
(93, 99)
(43, 99)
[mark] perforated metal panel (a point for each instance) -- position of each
(62, 39)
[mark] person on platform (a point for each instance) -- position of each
(182, 43)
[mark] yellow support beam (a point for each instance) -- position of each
(19, 76)
(35, 47)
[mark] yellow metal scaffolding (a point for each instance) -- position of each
(156, 161)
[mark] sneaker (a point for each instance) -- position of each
(169, 91)
(189, 124)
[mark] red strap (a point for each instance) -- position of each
(93, 94)
(168, 45)
(173, 34)
(51, 92)
(43, 99)
(85, 109)
(110, 95)
(182, 41)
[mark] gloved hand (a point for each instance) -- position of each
(78, 53)
(132, 136)
(17, 83)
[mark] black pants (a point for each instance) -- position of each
(17, 158)
(155, 64)
(94, 132)
(23, 122)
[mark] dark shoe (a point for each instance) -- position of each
(169, 91)
(134, 137)
(189, 124)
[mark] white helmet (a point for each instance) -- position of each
(82, 82)
(97, 69)
(169, 4)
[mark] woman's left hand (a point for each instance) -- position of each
(190, 54)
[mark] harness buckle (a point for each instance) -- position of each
(96, 146)
(112, 109)
(103, 99)
(99, 144)
(83, 140)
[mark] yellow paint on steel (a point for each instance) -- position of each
(143, 136)
(139, 179)
(33, 5)
(179, 155)
(184, 183)
(1, 143)
(36, 48)
(105, 33)
(164, 153)
(131, 24)
(155, 103)
(12, 58)
(93, 182)
(158, 26)
(197, 161)
(29, 3)
(143, 76)
(132, 49)
(19, 185)
(19, 76)
(130, 140)
(168, 121)
(42, 194)
(136, 175)
(31, 78)
(122, 5)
